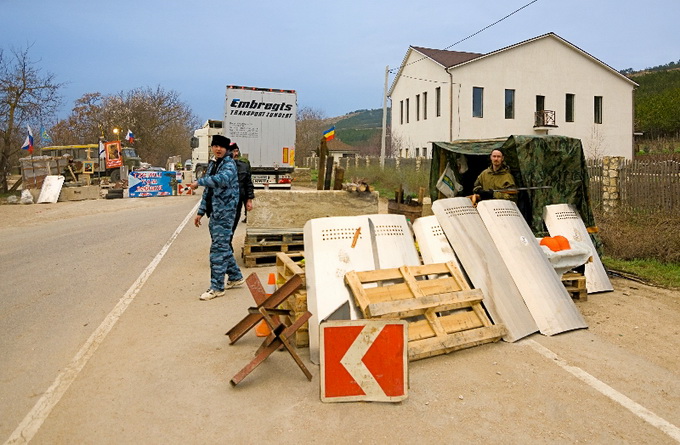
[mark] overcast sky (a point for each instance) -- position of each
(333, 54)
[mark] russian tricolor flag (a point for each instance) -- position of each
(28, 143)
(130, 137)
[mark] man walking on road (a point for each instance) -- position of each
(218, 203)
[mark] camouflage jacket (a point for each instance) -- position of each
(496, 180)
(221, 188)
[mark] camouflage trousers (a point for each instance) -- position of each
(222, 261)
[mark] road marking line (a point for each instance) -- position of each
(608, 391)
(42, 409)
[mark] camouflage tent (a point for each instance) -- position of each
(555, 161)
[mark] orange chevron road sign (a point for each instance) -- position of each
(364, 360)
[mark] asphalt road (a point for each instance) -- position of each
(104, 340)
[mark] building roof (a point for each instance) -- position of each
(451, 59)
(564, 42)
(446, 58)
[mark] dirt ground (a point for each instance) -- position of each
(174, 384)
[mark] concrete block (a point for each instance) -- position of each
(79, 193)
(283, 209)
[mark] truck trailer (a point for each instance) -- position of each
(262, 122)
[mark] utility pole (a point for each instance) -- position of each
(384, 121)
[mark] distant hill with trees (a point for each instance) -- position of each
(359, 127)
(657, 101)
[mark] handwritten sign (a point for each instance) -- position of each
(142, 183)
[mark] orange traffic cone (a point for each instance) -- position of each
(262, 329)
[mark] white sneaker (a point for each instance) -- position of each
(211, 293)
(235, 283)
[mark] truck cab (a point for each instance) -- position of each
(200, 145)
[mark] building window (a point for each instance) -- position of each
(569, 108)
(424, 152)
(509, 104)
(407, 111)
(477, 102)
(424, 105)
(417, 107)
(417, 152)
(438, 100)
(598, 109)
(406, 152)
(401, 112)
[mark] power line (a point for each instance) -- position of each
(394, 70)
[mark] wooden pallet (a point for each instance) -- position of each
(286, 268)
(443, 312)
(261, 246)
(575, 283)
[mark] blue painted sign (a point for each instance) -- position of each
(143, 183)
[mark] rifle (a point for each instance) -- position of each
(515, 190)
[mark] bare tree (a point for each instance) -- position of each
(161, 122)
(309, 130)
(26, 96)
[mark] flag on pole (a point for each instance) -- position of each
(130, 137)
(46, 138)
(102, 154)
(329, 134)
(28, 143)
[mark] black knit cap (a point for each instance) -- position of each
(221, 141)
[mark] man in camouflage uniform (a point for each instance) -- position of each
(219, 200)
(496, 177)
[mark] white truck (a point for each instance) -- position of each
(262, 122)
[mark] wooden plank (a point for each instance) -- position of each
(352, 279)
(400, 291)
(411, 282)
(456, 273)
(416, 306)
(287, 267)
(393, 274)
(431, 317)
(429, 347)
(452, 322)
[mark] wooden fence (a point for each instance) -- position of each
(615, 182)
(651, 186)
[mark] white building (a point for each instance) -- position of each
(544, 85)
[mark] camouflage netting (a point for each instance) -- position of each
(555, 161)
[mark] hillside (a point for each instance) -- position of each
(657, 103)
(359, 127)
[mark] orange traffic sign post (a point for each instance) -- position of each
(364, 360)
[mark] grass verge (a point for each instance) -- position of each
(648, 270)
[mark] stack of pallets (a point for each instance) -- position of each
(262, 245)
(575, 283)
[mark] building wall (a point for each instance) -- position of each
(419, 75)
(547, 67)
